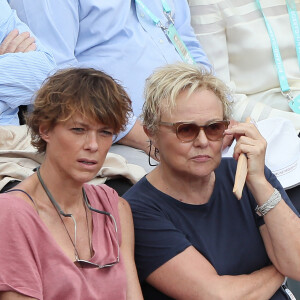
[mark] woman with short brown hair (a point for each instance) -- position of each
(61, 238)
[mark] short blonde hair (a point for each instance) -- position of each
(90, 92)
(166, 83)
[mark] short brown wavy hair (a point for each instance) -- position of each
(92, 93)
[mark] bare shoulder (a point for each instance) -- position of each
(127, 227)
(126, 220)
(13, 296)
(124, 208)
(123, 203)
(24, 190)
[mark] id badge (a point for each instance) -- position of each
(295, 104)
(174, 37)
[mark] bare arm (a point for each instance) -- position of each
(281, 238)
(282, 226)
(127, 248)
(13, 296)
(190, 276)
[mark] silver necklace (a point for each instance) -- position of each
(61, 213)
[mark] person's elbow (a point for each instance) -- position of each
(290, 268)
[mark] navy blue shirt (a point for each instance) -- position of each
(224, 230)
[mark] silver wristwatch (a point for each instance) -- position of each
(269, 204)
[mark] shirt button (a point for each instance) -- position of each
(142, 15)
(161, 41)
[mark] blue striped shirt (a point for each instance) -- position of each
(115, 36)
(21, 74)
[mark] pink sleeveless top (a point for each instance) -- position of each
(32, 263)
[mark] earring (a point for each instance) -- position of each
(156, 152)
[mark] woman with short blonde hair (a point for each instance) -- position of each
(194, 239)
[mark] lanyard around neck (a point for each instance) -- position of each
(154, 18)
(276, 53)
(294, 102)
(169, 30)
(295, 24)
(294, 20)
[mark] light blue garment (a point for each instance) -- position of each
(115, 36)
(21, 74)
